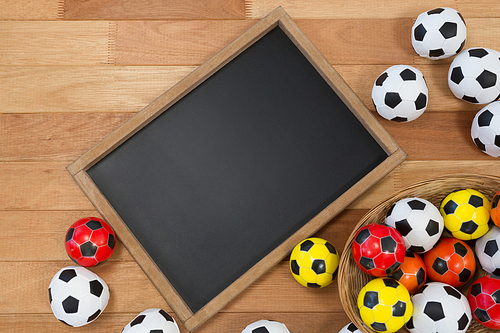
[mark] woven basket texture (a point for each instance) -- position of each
(350, 277)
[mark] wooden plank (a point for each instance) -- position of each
(39, 186)
(49, 240)
(85, 89)
(153, 9)
(472, 8)
(385, 9)
(30, 9)
(42, 137)
(48, 186)
(222, 322)
(29, 89)
(54, 42)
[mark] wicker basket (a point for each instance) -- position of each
(351, 279)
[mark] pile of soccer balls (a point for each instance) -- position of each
(400, 93)
(420, 243)
(78, 296)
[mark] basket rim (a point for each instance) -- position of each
(461, 179)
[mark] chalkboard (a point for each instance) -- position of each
(228, 175)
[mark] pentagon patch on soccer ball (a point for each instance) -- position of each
(439, 307)
(313, 262)
(384, 305)
(266, 326)
(418, 221)
(451, 261)
(485, 130)
(487, 250)
(484, 300)
(439, 33)
(400, 94)
(474, 75)
(152, 320)
(466, 214)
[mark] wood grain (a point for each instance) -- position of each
(73, 71)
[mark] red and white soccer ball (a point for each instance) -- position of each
(90, 241)
(400, 93)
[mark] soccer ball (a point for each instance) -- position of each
(473, 75)
(400, 93)
(466, 214)
(77, 296)
(418, 221)
(384, 305)
(439, 307)
(90, 241)
(487, 251)
(152, 321)
(266, 326)
(313, 262)
(412, 273)
(378, 249)
(484, 301)
(485, 129)
(451, 261)
(495, 209)
(439, 33)
(350, 328)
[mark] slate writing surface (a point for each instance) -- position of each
(235, 167)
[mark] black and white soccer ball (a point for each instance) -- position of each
(439, 307)
(474, 75)
(350, 328)
(152, 321)
(485, 129)
(487, 250)
(418, 221)
(439, 33)
(400, 93)
(266, 326)
(77, 296)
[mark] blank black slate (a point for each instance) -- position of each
(235, 167)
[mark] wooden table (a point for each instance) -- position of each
(73, 71)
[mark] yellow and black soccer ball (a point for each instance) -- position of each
(313, 262)
(466, 214)
(385, 305)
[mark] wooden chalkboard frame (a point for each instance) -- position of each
(278, 18)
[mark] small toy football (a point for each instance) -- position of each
(378, 249)
(487, 250)
(485, 129)
(451, 261)
(439, 307)
(90, 241)
(418, 221)
(439, 33)
(474, 75)
(466, 214)
(495, 210)
(313, 262)
(484, 301)
(266, 326)
(350, 328)
(152, 320)
(384, 305)
(400, 93)
(412, 273)
(77, 296)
